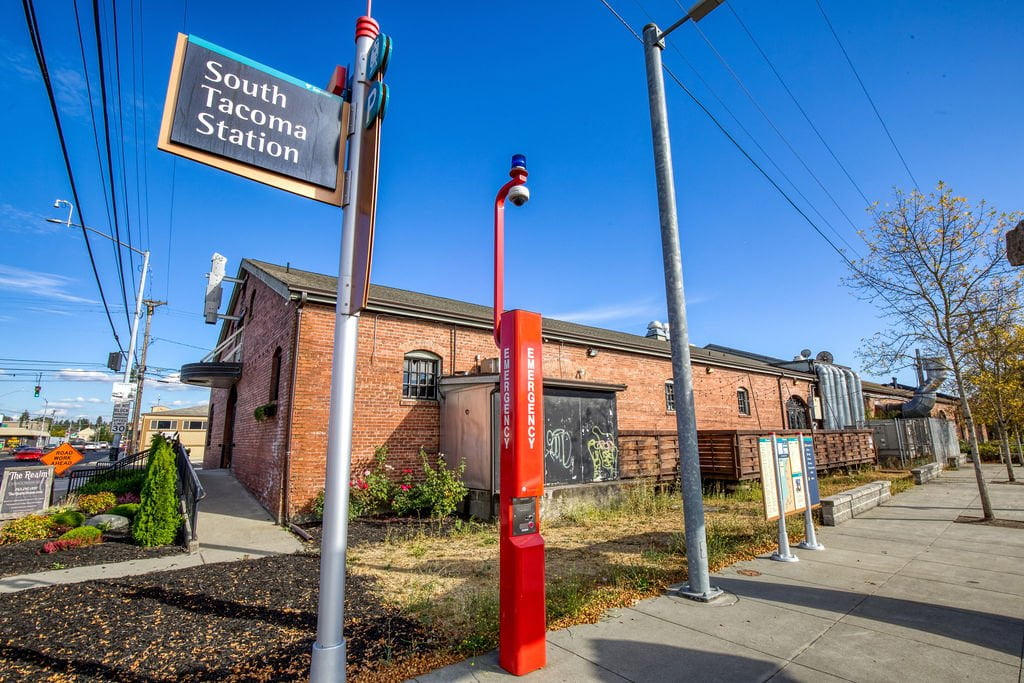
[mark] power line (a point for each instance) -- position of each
(110, 158)
(782, 137)
(121, 136)
(37, 47)
(789, 92)
(866, 93)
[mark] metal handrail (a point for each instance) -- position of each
(230, 355)
(190, 491)
(79, 478)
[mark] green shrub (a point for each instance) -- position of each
(68, 518)
(158, 519)
(129, 510)
(28, 528)
(316, 507)
(118, 483)
(87, 533)
(372, 493)
(442, 489)
(96, 503)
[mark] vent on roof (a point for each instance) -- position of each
(657, 330)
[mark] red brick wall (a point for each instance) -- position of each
(258, 454)
(383, 417)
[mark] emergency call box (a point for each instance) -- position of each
(524, 516)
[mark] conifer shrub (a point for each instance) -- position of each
(68, 518)
(129, 510)
(158, 519)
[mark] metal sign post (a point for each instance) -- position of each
(328, 659)
(522, 626)
(783, 554)
(811, 495)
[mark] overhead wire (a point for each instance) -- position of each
(749, 158)
(121, 142)
(768, 157)
(796, 102)
(110, 158)
(867, 94)
(781, 135)
(37, 47)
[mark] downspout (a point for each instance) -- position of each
(824, 382)
(782, 404)
(286, 478)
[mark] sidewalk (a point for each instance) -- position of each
(901, 593)
(231, 525)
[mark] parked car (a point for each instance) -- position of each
(28, 453)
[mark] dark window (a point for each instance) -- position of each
(743, 401)
(275, 374)
(251, 311)
(209, 432)
(163, 424)
(419, 375)
(194, 424)
(670, 397)
(796, 411)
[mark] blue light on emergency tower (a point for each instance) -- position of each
(519, 160)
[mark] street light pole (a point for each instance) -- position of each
(138, 298)
(140, 378)
(699, 584)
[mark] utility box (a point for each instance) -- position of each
(580, 435)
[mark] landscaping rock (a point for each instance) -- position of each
(115, 524)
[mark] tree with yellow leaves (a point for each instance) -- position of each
(936, 269)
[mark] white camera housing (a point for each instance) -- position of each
(519, 194)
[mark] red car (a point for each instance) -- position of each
(28, 453)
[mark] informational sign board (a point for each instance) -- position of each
(24, 490)
(119, 421)
(62, 458)
(227, 111)
(811, 472)
(122, 391)
(790, 471)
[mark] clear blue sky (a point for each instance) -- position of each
(471, 84)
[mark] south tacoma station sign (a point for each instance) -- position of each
(227, 111)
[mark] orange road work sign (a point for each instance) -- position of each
(62, 458)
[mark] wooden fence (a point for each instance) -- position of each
(732, 455)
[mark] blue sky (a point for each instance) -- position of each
(471, 84)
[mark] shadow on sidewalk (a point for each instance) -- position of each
(992, 631)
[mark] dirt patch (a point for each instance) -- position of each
(28, 557)
(253, 620)
(1004, 523)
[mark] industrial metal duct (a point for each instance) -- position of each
(924, 396)
(842, 396)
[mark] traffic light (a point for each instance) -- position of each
(38, 389)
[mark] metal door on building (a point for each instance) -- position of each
(580, 436)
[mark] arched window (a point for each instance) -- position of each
(275, 374)
(420, 372)
(796, 413)
(743, 401)
(670, 396)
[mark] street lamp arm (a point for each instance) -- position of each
(518, 174)
(94, 230)
(700, 10)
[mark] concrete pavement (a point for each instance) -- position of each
(901, 593)
(231, 525)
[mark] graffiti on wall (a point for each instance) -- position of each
(604, 454)
(558, 448)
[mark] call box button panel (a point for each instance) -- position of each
(524, 516)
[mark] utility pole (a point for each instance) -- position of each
(133, 439)
(698, 581)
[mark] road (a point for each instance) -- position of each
(60, 484)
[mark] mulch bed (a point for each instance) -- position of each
(1004, 523)
(379, 530)
(253, 620)
(29, 558)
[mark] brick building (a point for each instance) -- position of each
(270, 376)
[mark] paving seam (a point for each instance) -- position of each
(913, 575)
(576, 654)
(827, 673)
(963, 566)
(717, 637)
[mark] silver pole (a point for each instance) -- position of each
(784, 554)
(811, 540)
(699, 586)
(131, 344)
(328, 661)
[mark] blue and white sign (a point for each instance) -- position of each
(376, 103)
(379, 57)
(811, 471)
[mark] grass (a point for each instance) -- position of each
(597, 558)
